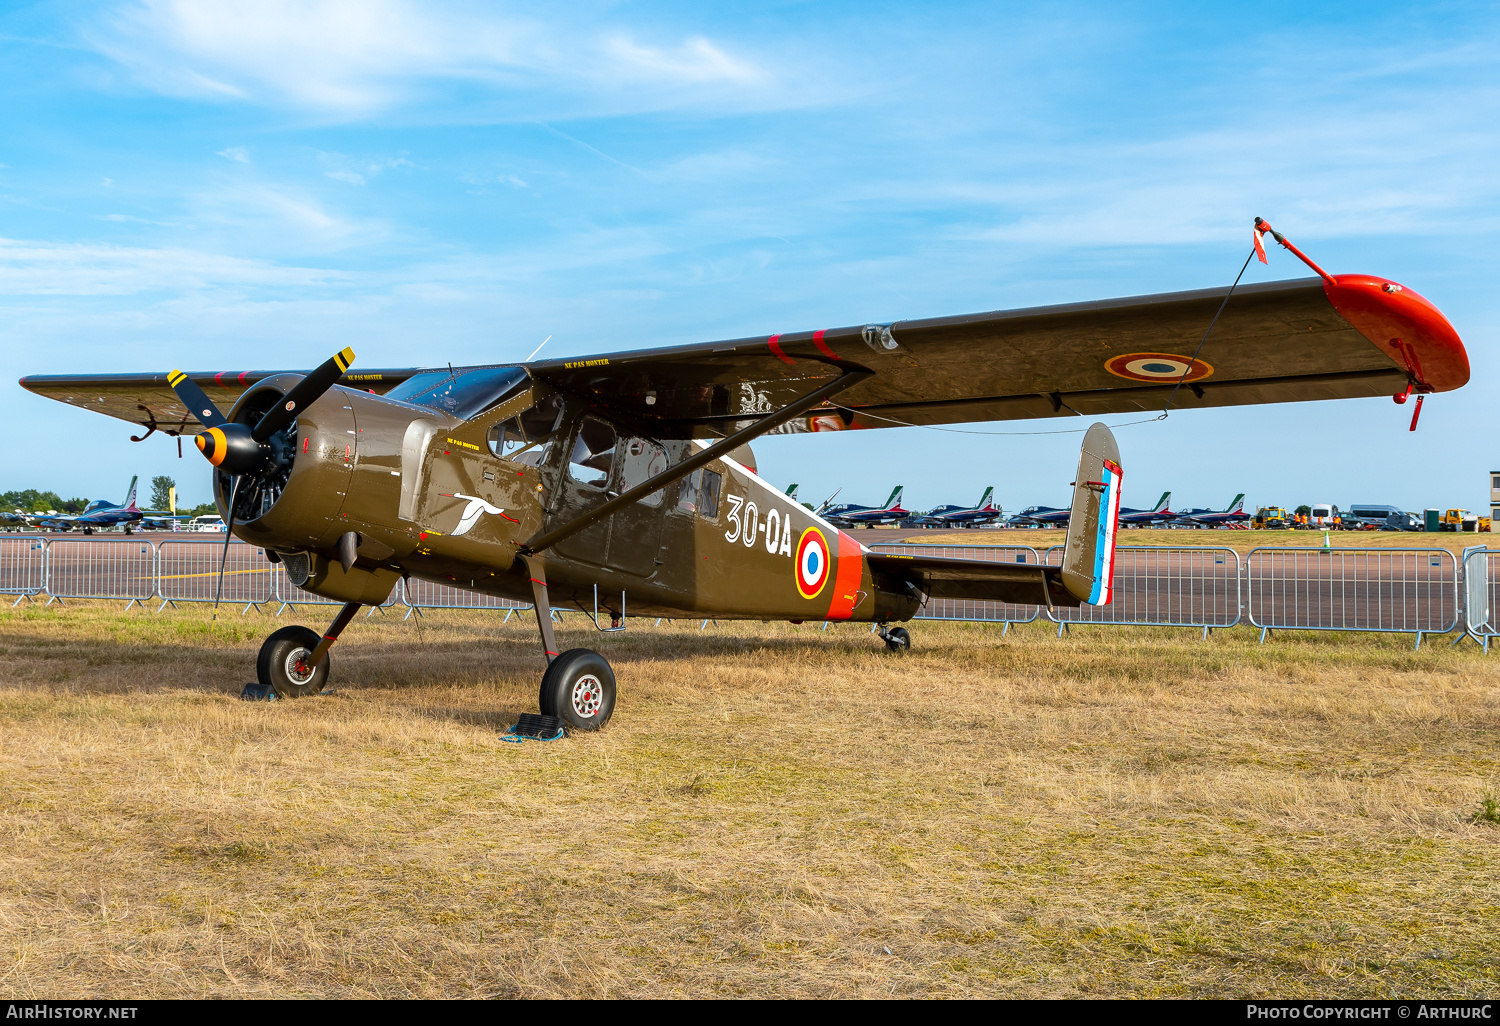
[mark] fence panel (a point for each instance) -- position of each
(1411, 591)
(420, 594)
(1164, 586)
(101, 568)
(965, 609)
(23, 565)
(188, 571)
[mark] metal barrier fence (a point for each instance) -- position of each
(966, 609)
(1416, 591)
(1481, 587)
(23, 566)
(188, 571)
(1163, 586)
(1406, 591)
(99, 568)
(419, 595)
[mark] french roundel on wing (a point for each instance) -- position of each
(811, 565)
(1164, 367)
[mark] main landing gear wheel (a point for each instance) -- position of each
(579, 686)
(897, 640)
(282, 665)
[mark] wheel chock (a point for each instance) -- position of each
(535, 727)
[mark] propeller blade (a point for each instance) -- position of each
(303, 394)
(196, 401)
(234, 489)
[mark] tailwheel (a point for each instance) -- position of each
(283, 663)
(897, 640)
(579, 686)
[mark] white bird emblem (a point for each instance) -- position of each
(470, 515)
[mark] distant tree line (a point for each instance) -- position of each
(30, 500)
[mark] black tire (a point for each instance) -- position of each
(579, 686)
(276, 667)
(897, 640)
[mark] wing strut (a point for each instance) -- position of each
(845, 380)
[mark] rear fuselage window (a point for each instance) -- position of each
(699, 493)
(636, 462)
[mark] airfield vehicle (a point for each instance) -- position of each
(1459, 519)
(1271, 518)
(611, 483)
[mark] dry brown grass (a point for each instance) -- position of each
(775, 811)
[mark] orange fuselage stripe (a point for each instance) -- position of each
(846, 583)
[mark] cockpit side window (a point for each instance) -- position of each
(527, 437)
(593, 453)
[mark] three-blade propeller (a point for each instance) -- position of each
(242, 451)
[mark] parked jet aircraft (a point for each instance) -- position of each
(612, 482)
(1042, 516)
(981, 512)
(1234, 513)
(848, 514)
(1158, 514)
(100, 513)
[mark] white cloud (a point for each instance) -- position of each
(131, 218)
(346, 176)
(236, 153)
(29, 268)
(351, 57)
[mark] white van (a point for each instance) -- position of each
(1322, 514)
(212, 522)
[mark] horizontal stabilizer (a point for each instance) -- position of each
(978, 580)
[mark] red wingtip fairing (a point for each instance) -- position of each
(1393, 317)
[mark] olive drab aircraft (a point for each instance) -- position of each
(621, 483)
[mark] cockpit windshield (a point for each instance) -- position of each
(461, 395)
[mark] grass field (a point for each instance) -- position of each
(776, 811)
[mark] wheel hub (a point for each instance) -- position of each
(297, 670)
(588, 696)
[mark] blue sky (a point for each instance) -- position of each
(226, 185)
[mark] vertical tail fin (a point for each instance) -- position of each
(1238, 505)
(1089, 552)
(130, 495)
(791, 491)
(895, 499)
(984, 500)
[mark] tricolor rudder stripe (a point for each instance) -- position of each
(1104, 543)
(847, 577)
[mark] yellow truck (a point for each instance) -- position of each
(1271, 518)
(1453, 520)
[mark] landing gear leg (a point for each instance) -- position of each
(896, 639)
(542, 607)
(579, 685)
(294, 661)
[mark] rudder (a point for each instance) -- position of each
(1089, 551)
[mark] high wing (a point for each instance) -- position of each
(1278, 342)
(148, 400)
(1353, 336)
